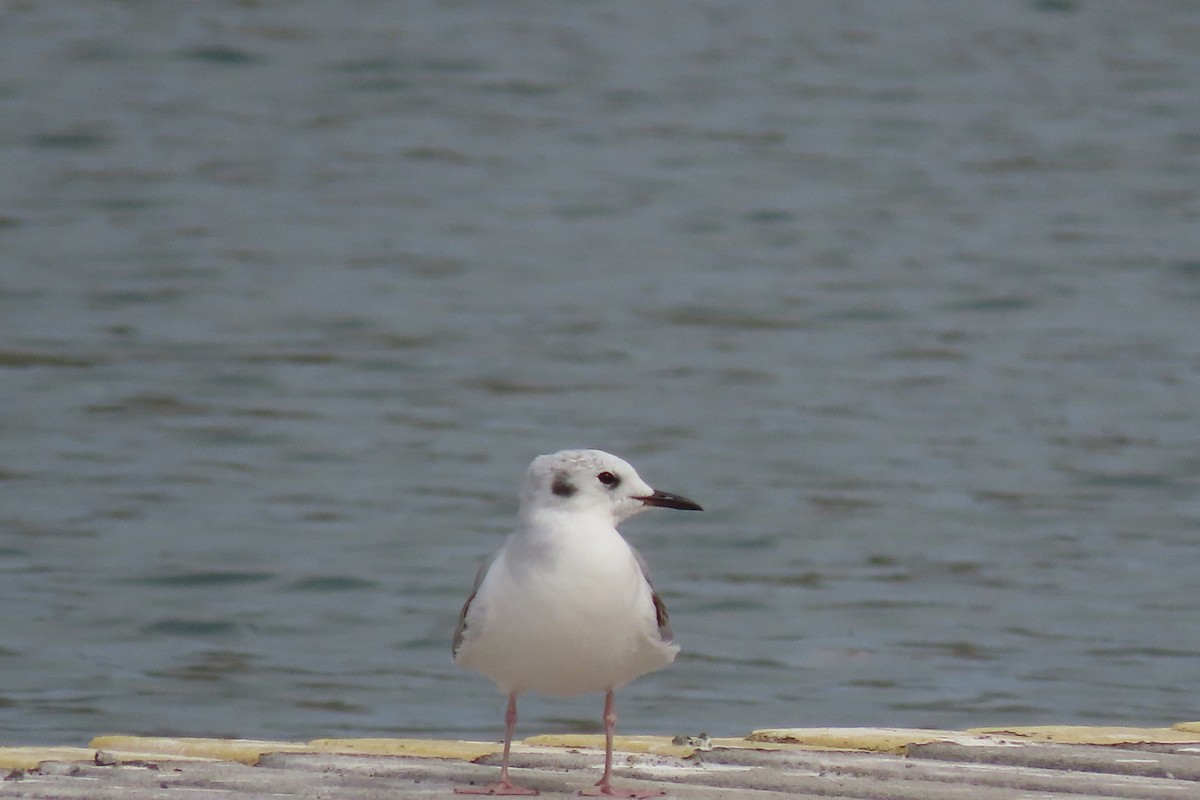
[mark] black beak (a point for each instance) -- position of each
(668, 500)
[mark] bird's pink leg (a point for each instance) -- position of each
(504, 785)
(604, 787)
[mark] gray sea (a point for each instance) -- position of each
(907, 294)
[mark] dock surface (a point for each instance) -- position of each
(1046, 762)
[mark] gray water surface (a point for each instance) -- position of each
(907, 294)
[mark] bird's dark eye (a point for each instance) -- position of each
(608, 479)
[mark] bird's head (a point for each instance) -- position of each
(592, 481)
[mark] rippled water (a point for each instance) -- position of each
(907, 294)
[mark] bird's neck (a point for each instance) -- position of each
(550, 521)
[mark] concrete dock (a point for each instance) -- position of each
(1045, 762)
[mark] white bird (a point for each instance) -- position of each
(566, 606)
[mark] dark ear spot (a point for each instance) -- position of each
(562, 487)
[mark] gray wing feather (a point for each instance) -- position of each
(660, 608)
(462, 615)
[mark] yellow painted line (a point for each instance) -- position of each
(245, 751)
(30, 757)
(127, 749)
(1096, 734)
(423, 748)
(655, 745)
(873, 740)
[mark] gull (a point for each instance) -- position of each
(566, 606)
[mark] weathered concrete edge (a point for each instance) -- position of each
(118, 749)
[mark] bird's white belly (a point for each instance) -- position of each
(592, 630)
